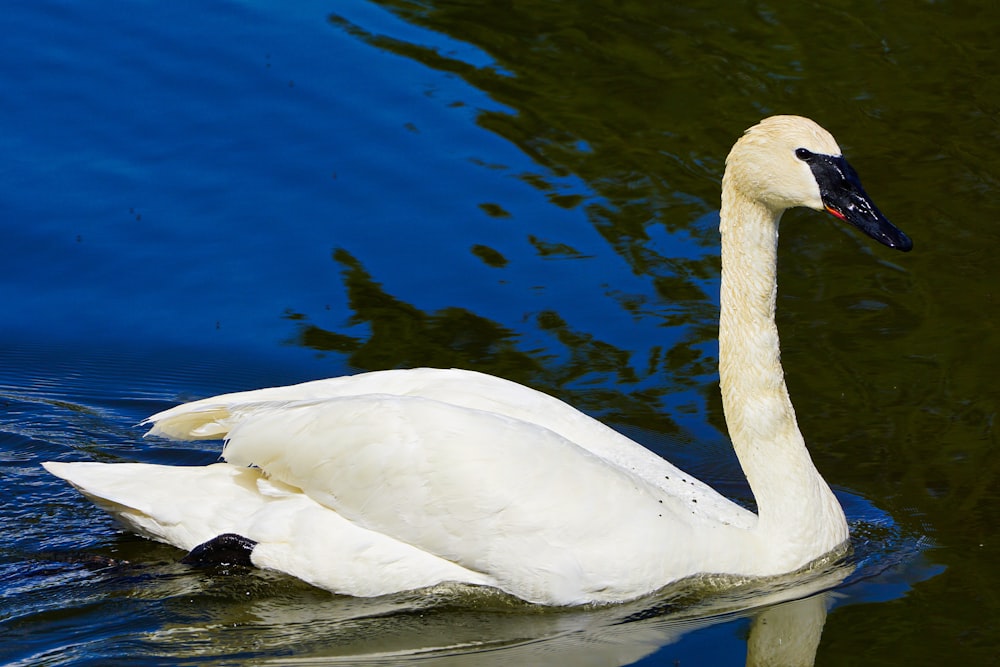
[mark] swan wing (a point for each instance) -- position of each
(213, 417)
(547, 520)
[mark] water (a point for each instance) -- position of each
(204, 199)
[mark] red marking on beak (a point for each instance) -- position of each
(835, 213)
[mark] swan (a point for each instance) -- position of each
(402, 479)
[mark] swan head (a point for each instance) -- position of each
(788, 161)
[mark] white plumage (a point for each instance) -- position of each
(397, 480)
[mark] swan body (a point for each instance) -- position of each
(397, 480)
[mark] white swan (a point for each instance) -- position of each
(396, 480)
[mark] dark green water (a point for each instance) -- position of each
(203, 200)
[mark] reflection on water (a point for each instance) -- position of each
(459, 630)
(396, 334)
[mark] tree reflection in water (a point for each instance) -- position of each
(400, 335)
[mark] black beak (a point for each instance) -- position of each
(844, 198)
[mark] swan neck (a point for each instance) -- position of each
(792, 499)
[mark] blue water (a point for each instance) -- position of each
(185, 190)
(167, 166)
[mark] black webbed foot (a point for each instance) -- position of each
(226, 549)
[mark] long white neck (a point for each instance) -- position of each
(798, 513)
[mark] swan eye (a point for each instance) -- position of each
(803, 154)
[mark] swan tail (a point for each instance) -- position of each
(229, 514)
(180, 506)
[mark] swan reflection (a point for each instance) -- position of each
(447, 626)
